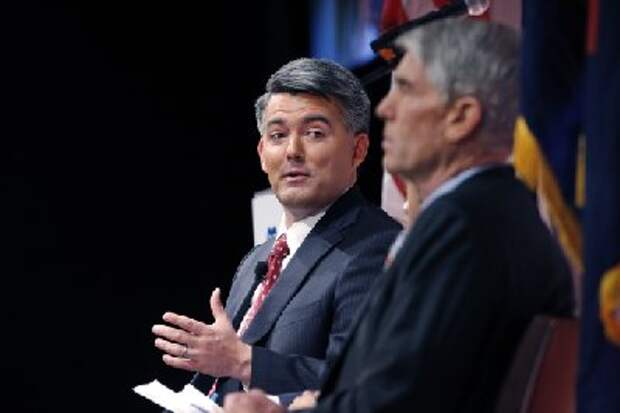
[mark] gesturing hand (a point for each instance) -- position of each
(213, 349)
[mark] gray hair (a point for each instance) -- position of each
(463, 57)
(323, 78)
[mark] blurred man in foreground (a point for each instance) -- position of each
(441, 326)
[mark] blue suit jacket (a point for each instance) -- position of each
(304, 321)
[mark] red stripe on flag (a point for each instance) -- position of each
(392, 14)
(592, 39)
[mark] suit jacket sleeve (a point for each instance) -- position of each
(349, 292)
(426, 322)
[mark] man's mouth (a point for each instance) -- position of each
(295, 176)
(386, 138)
(385, 143)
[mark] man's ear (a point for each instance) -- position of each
(259, 149)
(463, 118)
(361, 148)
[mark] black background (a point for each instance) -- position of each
(128, 164)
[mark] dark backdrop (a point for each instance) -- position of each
(128, 163)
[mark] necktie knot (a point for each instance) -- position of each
(280, 249)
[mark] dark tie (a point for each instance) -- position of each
(279, 251)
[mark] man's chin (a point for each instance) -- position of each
(294, 198)
(390, 166)
(299, 201)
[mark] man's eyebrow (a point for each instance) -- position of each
(317, 118)
(275, 121)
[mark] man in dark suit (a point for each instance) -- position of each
(441, 326)
(292, 302)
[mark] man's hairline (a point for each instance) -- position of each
(328, 98)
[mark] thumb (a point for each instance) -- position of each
(217, 309)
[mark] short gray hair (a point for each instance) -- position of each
(323, 78)
(463, 57)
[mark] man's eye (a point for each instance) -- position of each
(276, 136)
(402, 85)
(315, 133)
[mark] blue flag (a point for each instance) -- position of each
(567, 149)
(547, 140)
(599, 371)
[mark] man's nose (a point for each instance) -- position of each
(384, 108)
(295, 148)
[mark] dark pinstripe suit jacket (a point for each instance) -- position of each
(305, 319)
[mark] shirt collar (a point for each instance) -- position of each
(299, 230)
(452, 183)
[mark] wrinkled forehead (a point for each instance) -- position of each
(410, 68)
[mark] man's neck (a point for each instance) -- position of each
(290, 216)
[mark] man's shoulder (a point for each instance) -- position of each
(372, 233)
(256, 254)
(492, 182)
(366, 216)
(372, 229)
(355, 227)
(370, 211)
(489, 203)
(486, 194)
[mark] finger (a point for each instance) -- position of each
(239, 402)
(173, 334)
(253, 401)
(232, 401)
(188, 324)
(179, 363)
(174, 349)
(306, 400)
(217, 309)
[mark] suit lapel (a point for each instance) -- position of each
(245, 280)
(325, 235)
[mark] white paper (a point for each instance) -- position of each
(188, 400)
